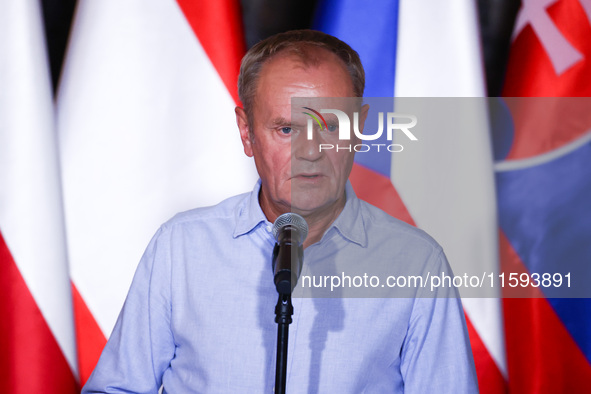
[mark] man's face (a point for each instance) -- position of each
(296, 176)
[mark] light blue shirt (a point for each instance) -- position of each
(199, 316)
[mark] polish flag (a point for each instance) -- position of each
(37, 349)
(146, 129)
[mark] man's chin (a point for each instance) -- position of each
(309, 205)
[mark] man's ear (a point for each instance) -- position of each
(245, 132)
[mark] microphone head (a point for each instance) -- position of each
(293, 220)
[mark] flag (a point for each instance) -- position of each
(36, 329)
(445, 183)
(146, 129)
(543, 174)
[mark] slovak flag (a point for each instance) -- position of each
(421, 48)
(146, 129)
(543, 174)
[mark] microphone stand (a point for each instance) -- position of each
(290, 231)
(283, 313)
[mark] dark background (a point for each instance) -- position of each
(263, 18)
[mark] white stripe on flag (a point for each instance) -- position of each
(31, 217)
(447, 183)
(438, 51)
(147, 129)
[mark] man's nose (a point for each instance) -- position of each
(306, 148)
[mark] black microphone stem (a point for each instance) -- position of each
(290, 230)
(283, 313)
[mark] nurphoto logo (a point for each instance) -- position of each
(394, 121)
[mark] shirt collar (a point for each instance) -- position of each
(250, 215)
(348, 224)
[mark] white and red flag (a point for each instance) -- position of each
(146, 126)
(37, 349)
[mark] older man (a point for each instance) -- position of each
(199, 314)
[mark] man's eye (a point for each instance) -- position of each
(332, 127)
(285, 130)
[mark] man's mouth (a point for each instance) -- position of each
(308, 175)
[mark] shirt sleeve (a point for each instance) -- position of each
(436, 354)
(141, 345)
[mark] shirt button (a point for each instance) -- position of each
(269, 227)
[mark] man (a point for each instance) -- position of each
(199, 314)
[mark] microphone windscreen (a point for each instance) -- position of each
(291, 219)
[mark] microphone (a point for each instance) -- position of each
(290, 230)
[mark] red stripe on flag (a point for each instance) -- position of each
(490, 379)
(31, 360)
(218, 26)
(542, 357)
(378, 190)
(90, 340)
